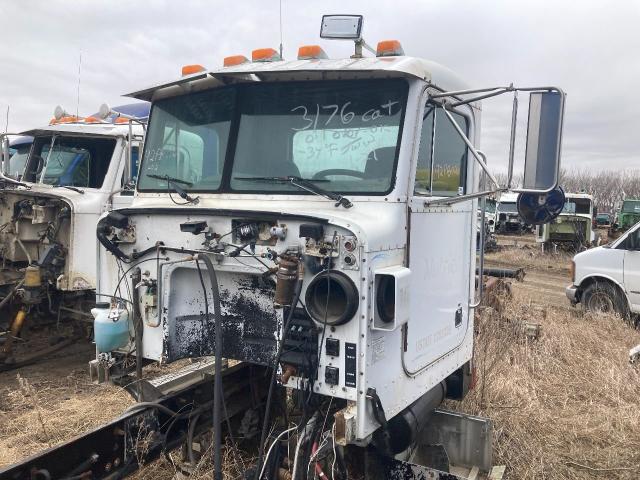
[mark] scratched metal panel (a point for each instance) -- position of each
(250, 324)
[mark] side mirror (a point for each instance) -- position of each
(544, 139)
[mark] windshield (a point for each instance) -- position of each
(18, 160)
(508, 207)
(73, 161)
(577, 205)
(343, 134)
(631, 206)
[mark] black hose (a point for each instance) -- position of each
(190, 432)
(265, 422)
(137, 326)
(217, 380)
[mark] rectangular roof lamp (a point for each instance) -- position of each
(341, 27)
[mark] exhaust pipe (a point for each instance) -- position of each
(404, 429)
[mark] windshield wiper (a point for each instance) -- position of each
(70, 187)
(175, 183)
(304, 184)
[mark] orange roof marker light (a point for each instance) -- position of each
(65, 119)
(265, 55)
(234, 60)
(191, 69)
(92, 120)
(389, 48)
(311, 52)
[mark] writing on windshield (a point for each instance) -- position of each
(344, 133)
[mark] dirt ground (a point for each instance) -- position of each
(564, 405)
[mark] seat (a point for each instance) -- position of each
(380, 162)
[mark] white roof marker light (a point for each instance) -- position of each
(345, 27)
(341, 27)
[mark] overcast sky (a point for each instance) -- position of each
(589, 48)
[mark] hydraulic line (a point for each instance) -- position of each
(217, 386)
(272, 383)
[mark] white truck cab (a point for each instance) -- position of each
(318, 217)
(574, 226)
(507, 218)
(75, 170)
(607, 278)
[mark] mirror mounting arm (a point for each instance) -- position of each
(512, 139)
(478, 155)
(462, 198)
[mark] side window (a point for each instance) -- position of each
(632, 242)
(442, 155)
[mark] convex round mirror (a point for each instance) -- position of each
(540, 208)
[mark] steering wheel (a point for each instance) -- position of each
(337, 171)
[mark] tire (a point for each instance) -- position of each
(604, 297)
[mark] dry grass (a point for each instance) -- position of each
(564, 406)
(531, 257)
(42, 412)
(234, 461)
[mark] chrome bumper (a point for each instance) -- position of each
(572, 294)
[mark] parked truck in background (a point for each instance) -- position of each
(508, 219)
(627, 216)
(575, 226)
(75, 170)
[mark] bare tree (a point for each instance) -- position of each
(607, 187)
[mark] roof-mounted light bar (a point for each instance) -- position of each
(191, 69)
(265, 55)
(311, 52)
(234, 60)
(389, 48)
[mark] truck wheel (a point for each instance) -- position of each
(603, 297)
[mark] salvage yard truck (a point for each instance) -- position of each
(289, 215)
(626, 217)
(75, 170)
(573, 228)
(508, 220)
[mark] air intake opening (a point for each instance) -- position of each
(332, 297)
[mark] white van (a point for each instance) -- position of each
(607, 278)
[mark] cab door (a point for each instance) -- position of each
(441, 242)
(631, 245)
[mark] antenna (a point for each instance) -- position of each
(79, 71)
(281, 30)
(6, 125)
